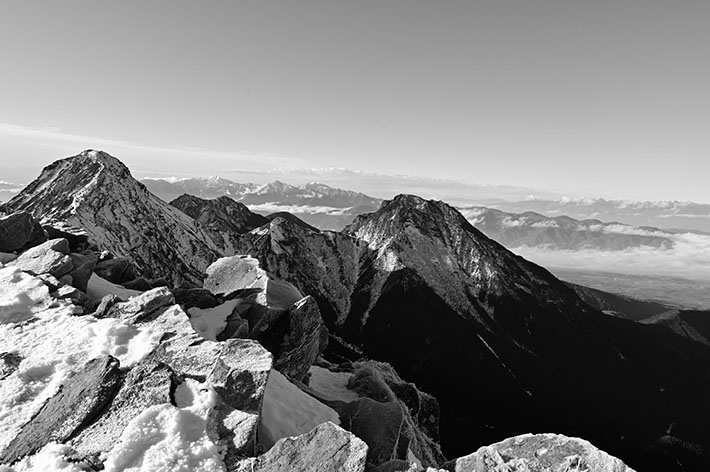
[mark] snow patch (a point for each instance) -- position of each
(331, 385)
(210, 322)
(51, 457)
(99, 287)
(21, 295)
(288, 411)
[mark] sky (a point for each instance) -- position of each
(583, 98)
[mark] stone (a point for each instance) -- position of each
(195, 298)
(326, 447)
(142, 306)
(83, 268)
(117, 270)
(50, 257)
(77, 404)
(537, 452)
(296, 340)
(20, 231)
(397, 465)
(139, 283)
(73, 294)
(230, 275)
(147, 384)
(107, 302)
(9, 361)
(381, 425)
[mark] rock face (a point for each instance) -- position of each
(19, 231)
(538, 452)
(223, 219)
(78, 403)
(96, 192)
(327, 447)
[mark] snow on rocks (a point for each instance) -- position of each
(21, 295)
(288, 411)
(210, 322)
(98, 288)
(52, 457)
(331, 385)
(167, 438)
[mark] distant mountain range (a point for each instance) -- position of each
(318, 204)
(663, 214)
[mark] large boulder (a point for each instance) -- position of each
(327, 447)
(296, 339)
(77, 404)
(538, 452)
(19, 231)
(51, 257)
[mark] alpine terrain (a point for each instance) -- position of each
(202, 336)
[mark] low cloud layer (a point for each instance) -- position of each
(689, 257)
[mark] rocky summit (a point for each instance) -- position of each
(198, 336)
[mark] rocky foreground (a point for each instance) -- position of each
(137, 335)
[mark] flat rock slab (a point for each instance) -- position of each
(51, 257)
(538, 452)
(78, 403)
(18, 231)
(147, 384)
(327, 447)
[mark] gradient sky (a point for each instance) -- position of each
(604, 98)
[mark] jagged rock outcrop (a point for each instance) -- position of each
(321, 264)
(96, 192)
(538, 452)
(20, 231)
(327, 447)
(223, 219)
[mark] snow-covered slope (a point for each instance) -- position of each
(95, 191)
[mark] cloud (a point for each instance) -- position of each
(689, 257)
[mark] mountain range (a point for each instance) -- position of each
(500, 346)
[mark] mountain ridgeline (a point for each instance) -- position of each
(504, 346)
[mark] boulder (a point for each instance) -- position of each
(20, 231)
(50, 257)
(327, 447)
(381, 425)
(296, 339)
(149, 383)
(73, 294)
(117, 270)
(83, 268)
(78, 403)
(538, 452)
(107, 302)
(143, 306)
(229, 276)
